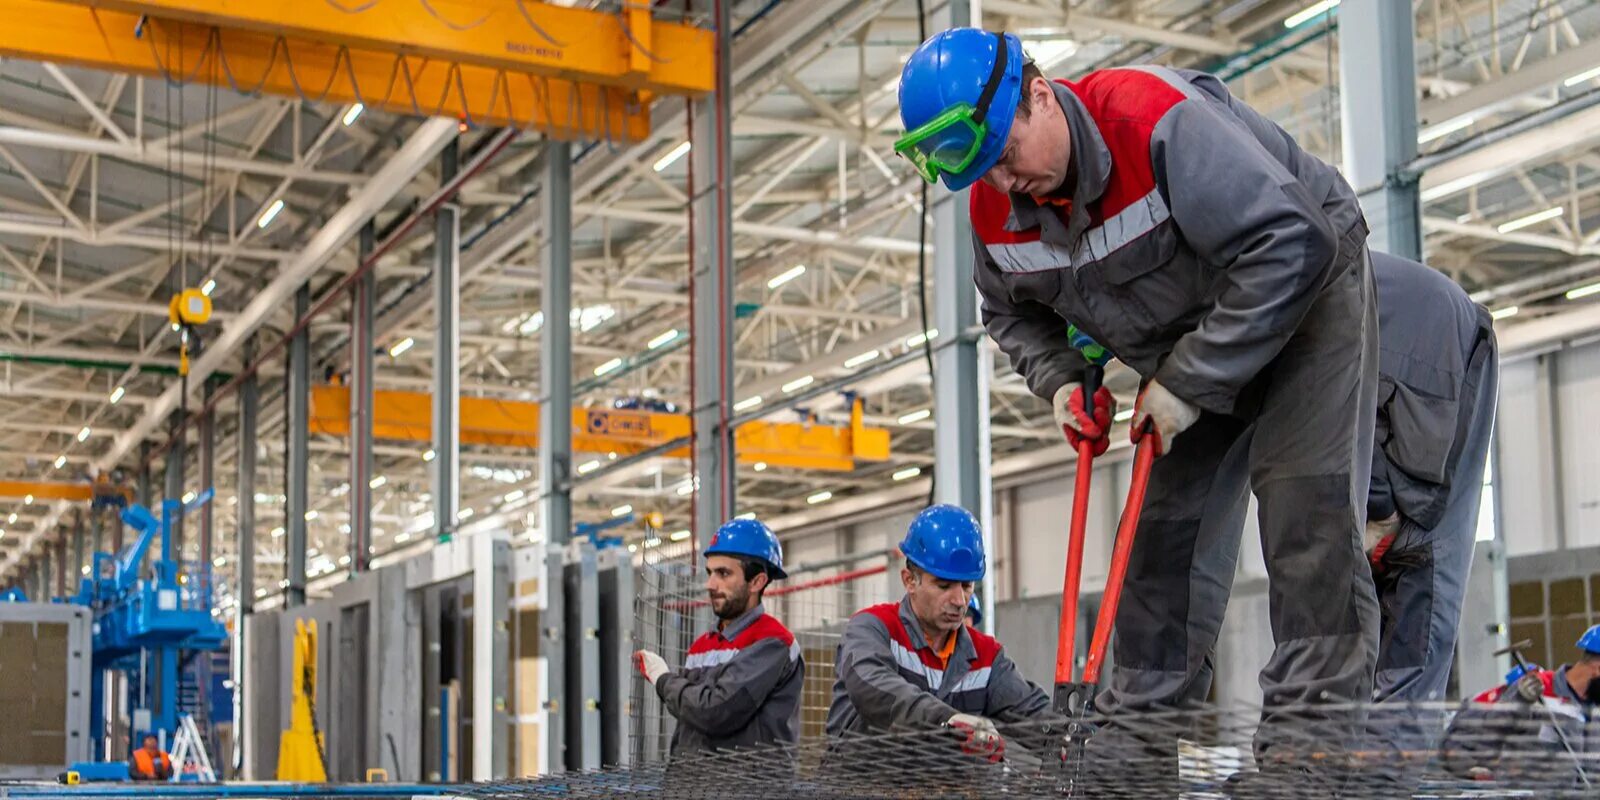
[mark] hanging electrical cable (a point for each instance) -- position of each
(922, 267)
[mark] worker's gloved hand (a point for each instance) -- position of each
(982, 738)
(1078, 424)
(1163, 413)
(650, 665)
(1530, 687)
(1378, 537)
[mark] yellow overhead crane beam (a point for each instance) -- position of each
(627, 49)
(585, 88)
(408, 416)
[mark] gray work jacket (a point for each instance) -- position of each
(1436, 347)
(739, 687)
(889, 678)
(1510, 739)
(1190, 238)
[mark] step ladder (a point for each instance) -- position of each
(189, 753)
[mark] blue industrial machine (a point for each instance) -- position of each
(145, 626)
(592, 531)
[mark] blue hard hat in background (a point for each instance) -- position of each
(1517, 672)
(945, 542)
(975, 610)
(749, 538)
(952, 67)
(1589, 642)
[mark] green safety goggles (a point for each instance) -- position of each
(946, 144)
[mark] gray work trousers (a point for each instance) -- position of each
(1305, 450)
(1421, 592)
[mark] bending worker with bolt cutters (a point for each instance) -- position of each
(1196, 241)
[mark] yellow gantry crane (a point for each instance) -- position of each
(408, 416)
(568, 72)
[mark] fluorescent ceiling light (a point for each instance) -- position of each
(429, 455)
(819, 497)
(27, 500)
(1532, 219)
(908, 473)
(1444, 129)
(798, 384)
(465, 513)
(83, 433)
(663, 339)
(1508, 311)
(352, 114)
(915, 416)
(747, 403)
(117, 395)
(919, 339)
(1124, 415)
(1451, 187)
(12, 520)
(270, 214)
(587, 467)
(401, 346)
(61, 461)
(310, 515)
(378, 481)
(761, 466)
(686, 489)
(1581, 291)
(672, 156)
(609, 366)
(211, 286)
(1047, 54)
(622, 511)
(786, 276)
(277, 533)
(857, 361)
(1586, 75)
(513, 496)
(1309, 13)
(746, 515)
(678, 536)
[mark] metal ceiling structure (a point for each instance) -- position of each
(116, 189)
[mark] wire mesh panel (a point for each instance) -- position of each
(814, 603)
(1316, 751)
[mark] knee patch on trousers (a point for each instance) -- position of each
(1153, 617)
(1310, 540)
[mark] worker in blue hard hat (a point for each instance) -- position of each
(916, 664)
(975, 612)
(1196, 241)
(740, 684)
(1542, 726)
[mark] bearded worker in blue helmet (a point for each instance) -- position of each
(916, 664)
(740, 684)
(1197, 242)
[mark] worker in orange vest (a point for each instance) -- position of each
(150, 762)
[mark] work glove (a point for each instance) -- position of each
(982, 738)
(1530, 687)
(1165, 414)
(1077, 424)
(650, 665)
(1379, 530)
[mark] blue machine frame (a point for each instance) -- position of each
(142, 626)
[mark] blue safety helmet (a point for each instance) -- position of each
(945, 542)
(1589, 642)
(750, 539)
(975, 610)
(967, 67)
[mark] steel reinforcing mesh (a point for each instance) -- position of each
(1344, 751)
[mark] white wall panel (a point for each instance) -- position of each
(1578, 400)
(1529, 522)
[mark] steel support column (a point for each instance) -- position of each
(555, 355)
(446, 464)
(77, 545)
(245, 548)
(711, 279)
(97, 530)
(246, 542)
(960, 376)
(298, 399)
(176, 456)
(61, 565)
(1378, 99)
(208, 448)
(361, 350)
